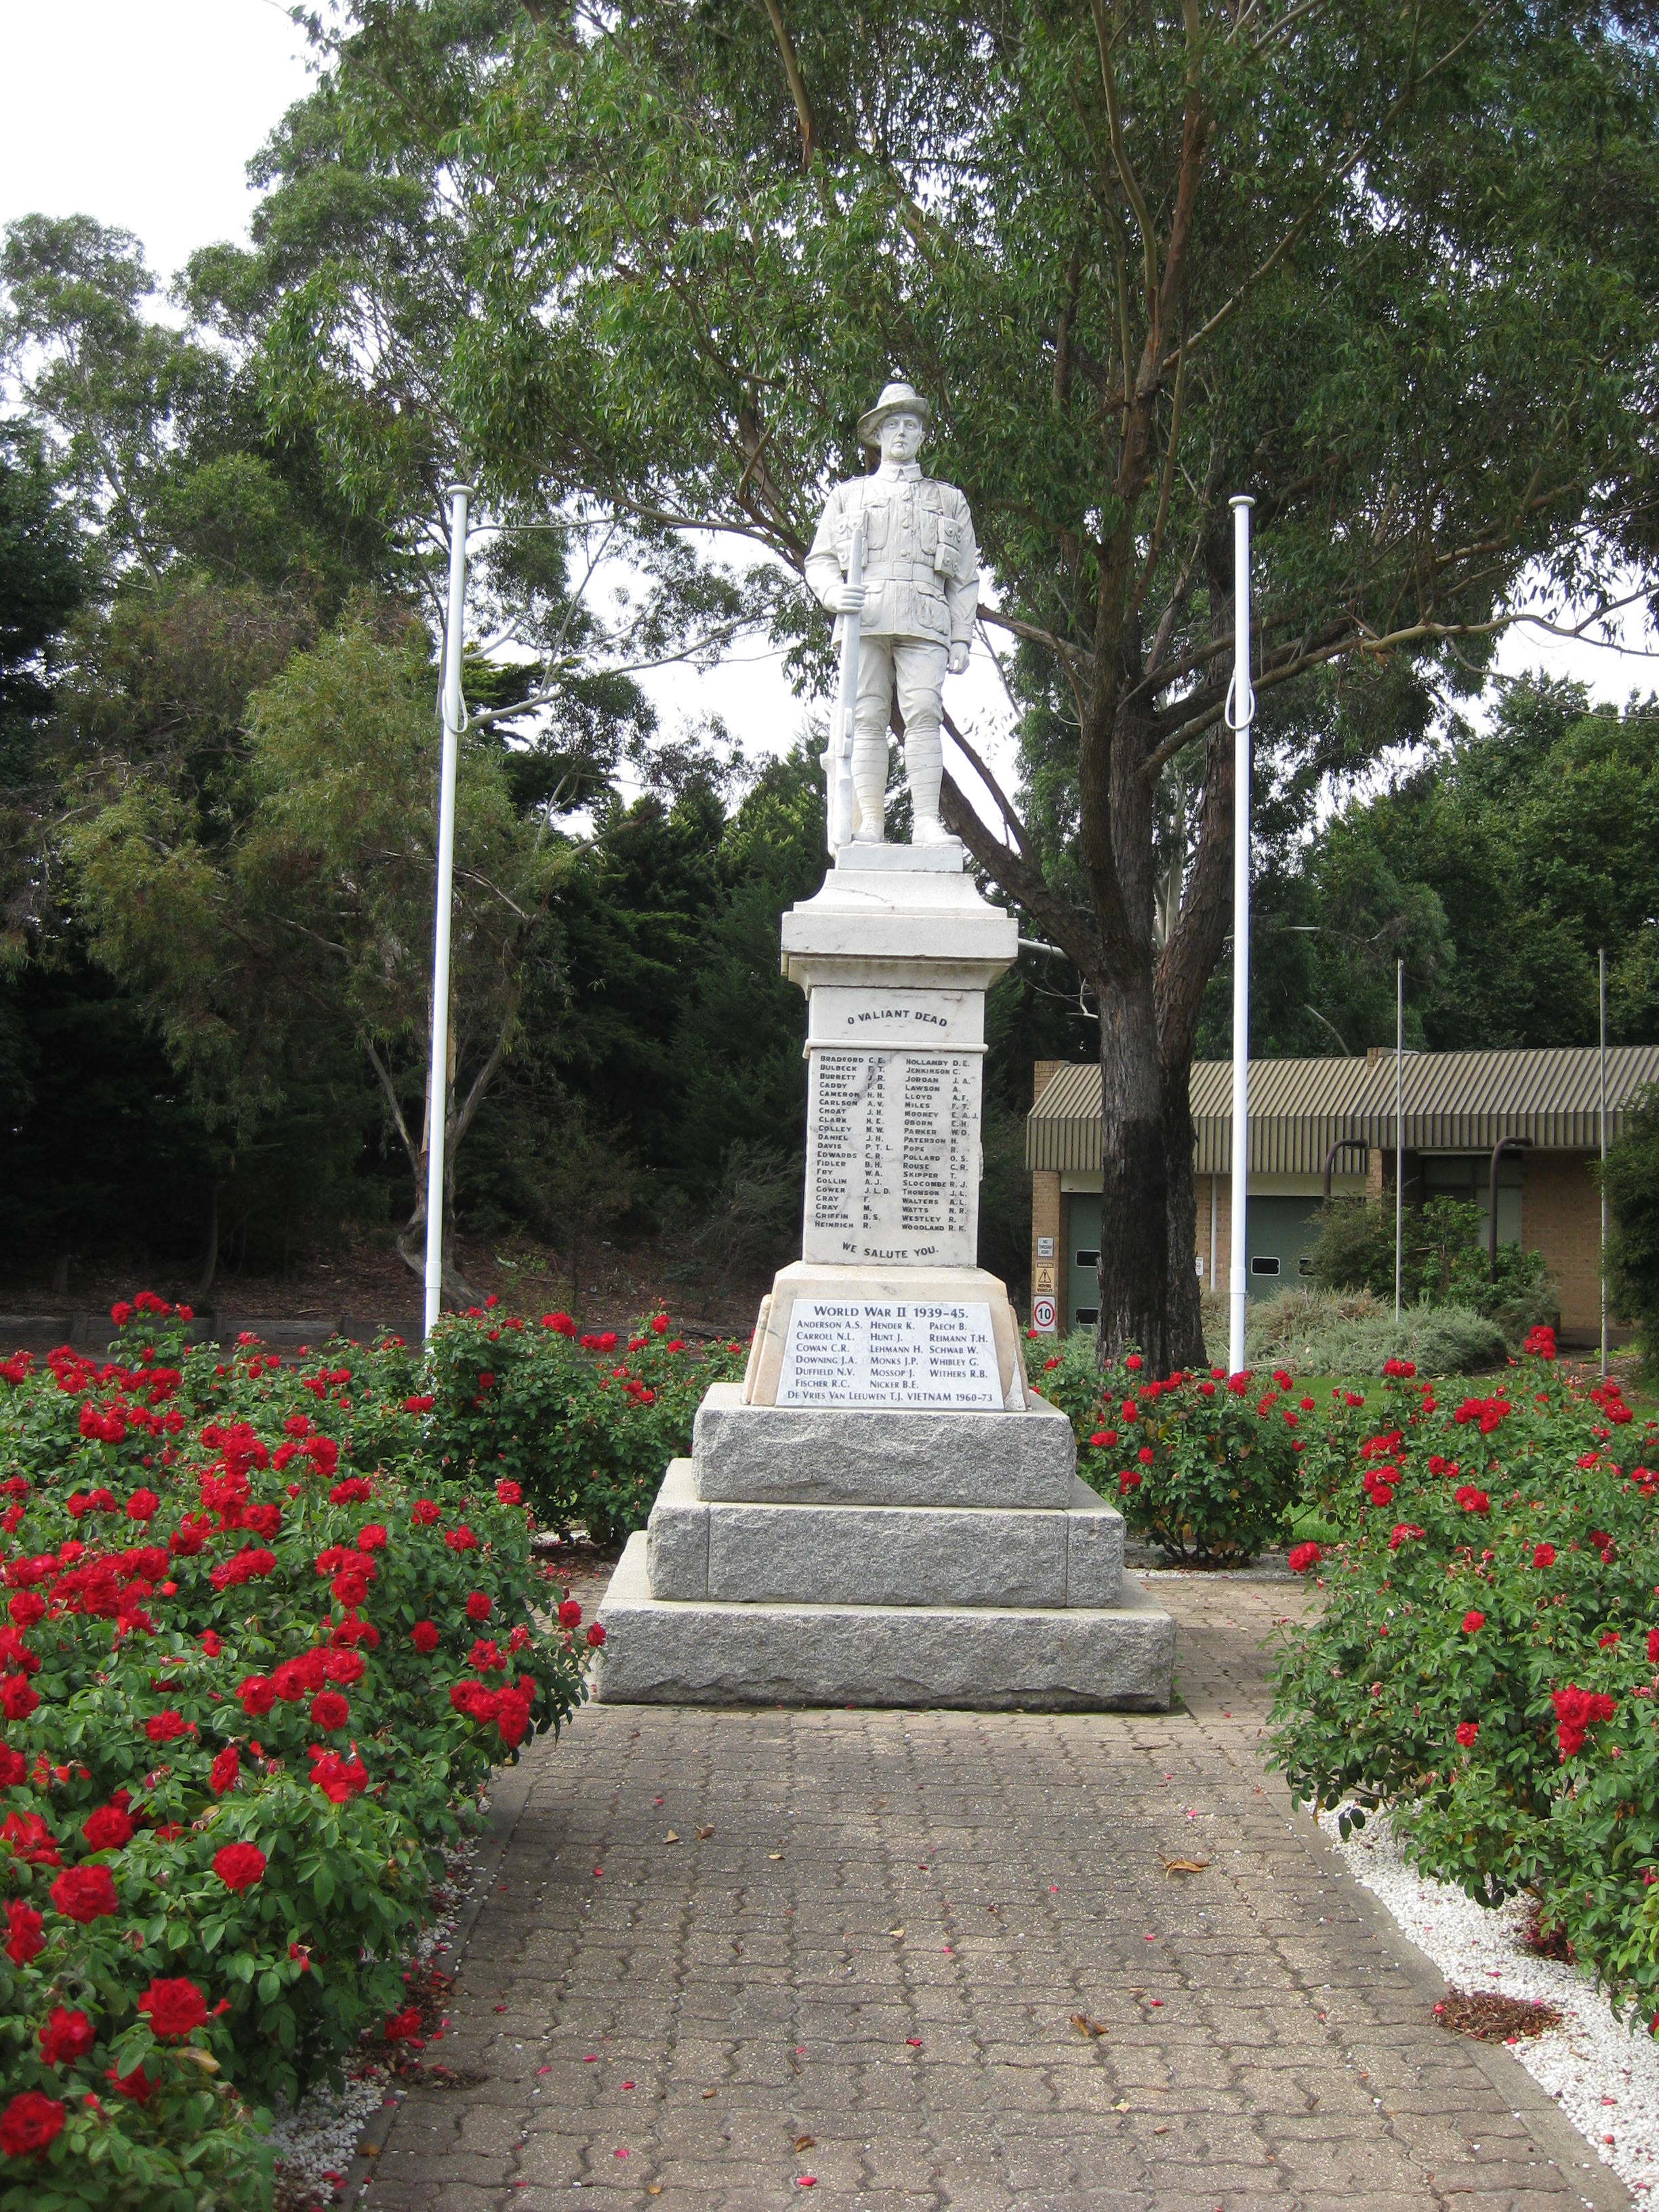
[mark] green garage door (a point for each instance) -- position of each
(1081, 1259)
(1279, 1233)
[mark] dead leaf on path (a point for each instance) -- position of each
(895, 1931)
(703, 1834)
(706, 2094)
(1094, 2029)
(774, 1855)
(806, 2142)
(1489, 2016)
(1183, 1866)
(1121, 2105)
(672, 1836)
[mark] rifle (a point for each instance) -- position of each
(838, 754)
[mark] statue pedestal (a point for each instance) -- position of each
(883, 1514)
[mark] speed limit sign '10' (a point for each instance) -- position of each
(1042, 1316)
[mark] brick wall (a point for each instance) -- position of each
(1224, 1228)
(1561, 1218)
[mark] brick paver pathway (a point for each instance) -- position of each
(867, 1971)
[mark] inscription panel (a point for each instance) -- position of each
(892, 1156)
(911, 1356)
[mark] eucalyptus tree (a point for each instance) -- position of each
(1388, 270)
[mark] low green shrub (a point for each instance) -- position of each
(585, 1423)
(1352, 1332)
(260, 1652)
(1486, 1660)
(1203, 1465)
(1444, 1262)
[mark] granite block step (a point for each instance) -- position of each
(881, 1555)
(797, 1455)
(982, 1659)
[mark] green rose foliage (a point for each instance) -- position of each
(261, 1647)
(1205, 1466)
(586, 1425)
(1487, 1659)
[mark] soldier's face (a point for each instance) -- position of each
(901, 437)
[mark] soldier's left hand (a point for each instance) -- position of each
(956, 659)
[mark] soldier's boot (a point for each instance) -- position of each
(924, 768)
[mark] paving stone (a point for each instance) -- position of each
(1290, 2062)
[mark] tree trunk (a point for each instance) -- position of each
(210, 1265)
(411, 1250)
(1135, 1226)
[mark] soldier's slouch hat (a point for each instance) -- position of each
(896, 399)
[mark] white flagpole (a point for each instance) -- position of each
(1601, 1068)
(1241, 712)
(437, 1080)
(1399, 1125)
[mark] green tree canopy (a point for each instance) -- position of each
(1391, 271)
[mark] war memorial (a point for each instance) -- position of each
(885, 1512)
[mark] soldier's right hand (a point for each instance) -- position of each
(849, 601)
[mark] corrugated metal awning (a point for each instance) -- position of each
(1455, 1102)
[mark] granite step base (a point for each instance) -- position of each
(882, 1554)
(977, 1658)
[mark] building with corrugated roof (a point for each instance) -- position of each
(1526, 1124)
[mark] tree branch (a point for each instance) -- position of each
(786, 46)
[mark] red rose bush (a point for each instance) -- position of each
(260, 1645)
(1486, 1660)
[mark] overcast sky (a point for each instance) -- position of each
(144, 115)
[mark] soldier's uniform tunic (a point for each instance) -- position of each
(921, 583)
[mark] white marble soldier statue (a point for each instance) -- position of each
(916, 604)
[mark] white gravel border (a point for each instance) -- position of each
(316, 2141)
(1604, 2077)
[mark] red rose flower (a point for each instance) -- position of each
(85, 1893)
(175, 2006)
(508, 1492)
(461, 1538)
(17, 1699)
(424, 1635)
(30, 1839)
(107, 1829)
(423, 1512)
(211, 1646)
(1474, 1621)
(570, 1614)
(343, 1668)
(66, 2037)
(142, 1505)
(136, 2086)
(221, 1775)
(329, 1710)
(25, 1939)
(349, 1491)
(1653, 1647)
(339, 1779)
(477, 1606)
(13, 1767)
(371, 1537)
(404, 2027)
(1467, 1732)
(560, 1322)
(1302, 1557)
(256, 1696)
(1543, 1555)
(350, 1585)
(167, 1726)
(596, 1634)
(239, 1866)
(31, 2122)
